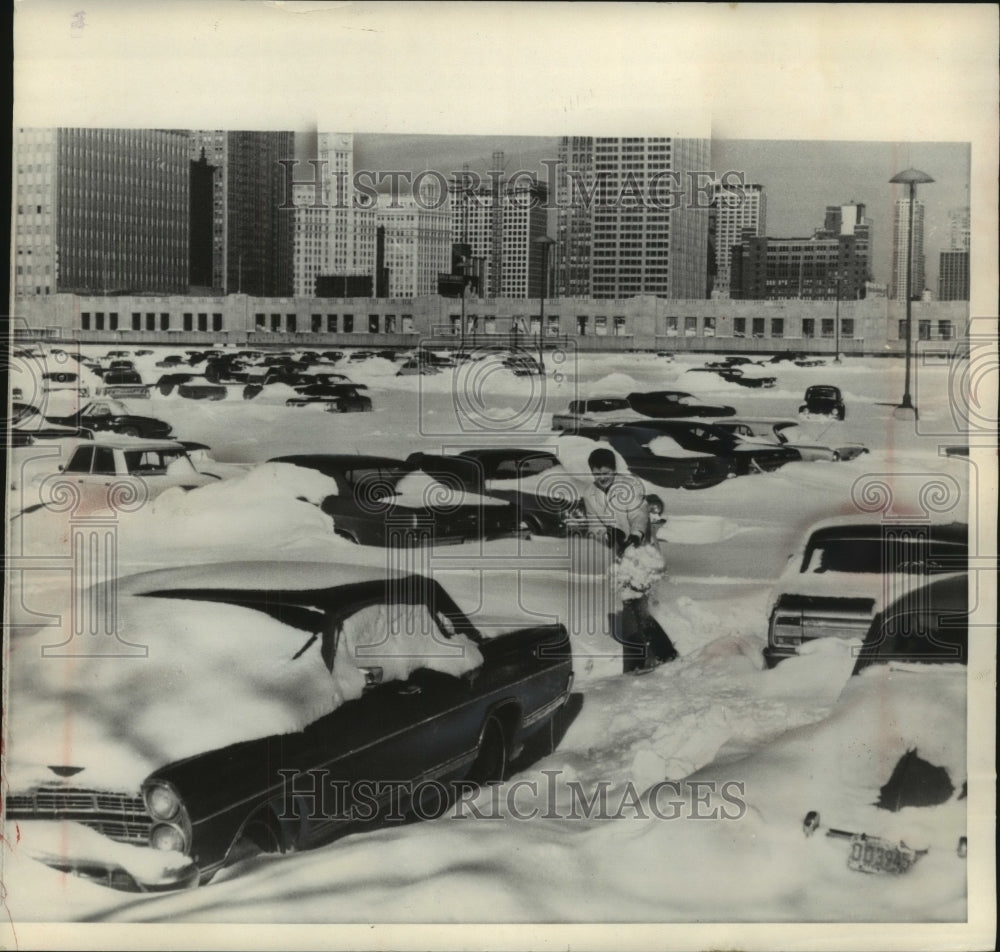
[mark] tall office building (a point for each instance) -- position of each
(900, 241)
(953, 267)
(735, 211)
(960, 229)
(634, 207)
(311, 237)
(501, 223)
(252, 235)
(417, 244)
(101, 211)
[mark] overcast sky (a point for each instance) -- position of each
(800, 178)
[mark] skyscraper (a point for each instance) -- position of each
(417, 244)
(900, 240)
(101, 211)
(953, 269)
(252, 236)
(734, 212)
(634, 213)
(500, 223)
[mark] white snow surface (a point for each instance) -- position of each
(804, 736)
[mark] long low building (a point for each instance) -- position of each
(875, 326)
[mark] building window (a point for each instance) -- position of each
(203, 322)
(316, 323)
(188, 321)
(535, 323)
(390, 323)
(164, 322)
(553, 325)
(777, 327)
(758, 327)
(348, 323)
(808, 327)
(275, 323)
(601, 326)
(260, 322)
(945, 330)
(291, 323)
(373, 323)
(690, 326)
(827, 327)
(581, 325)
(924, 330)
(407, 327)
(113, 321)
(85, 320)
(216, 322)
(619, 326)
(136, 321)
(709, 329)
(489, 325)
(902, 330)
(671, 327)
(331, 323)
(99, 321)
(847, 327)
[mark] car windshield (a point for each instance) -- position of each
(911, 553)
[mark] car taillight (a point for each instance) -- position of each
(786, 628)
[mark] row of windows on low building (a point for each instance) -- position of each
(602, 326)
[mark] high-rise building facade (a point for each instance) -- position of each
(101, 211)
(637, 208)
(252, 234)
(417, 244)
(953, 276)
(960, 229)
(735, 211)
(501, 223)
(901, 240)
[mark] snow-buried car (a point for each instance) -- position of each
(264, 706)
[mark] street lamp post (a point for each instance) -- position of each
(911, 177)
(546, 243)
(836, 326)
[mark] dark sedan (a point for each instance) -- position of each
(371, 507)
(338, 398)
(674, 403)
(532, 480)
(824, 400)
(706, 437)
(632, 442)
(112, 416)
(27, 426)
(354, 697)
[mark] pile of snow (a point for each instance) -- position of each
(668, 446)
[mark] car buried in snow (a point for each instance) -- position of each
(595, 411)
(823, 400)
(354, 697)
(384, 501)
(654, 456)
(533, 481)
(898, 588)
(709, 438)
(779, 432)
(665, 404)
(112, 416)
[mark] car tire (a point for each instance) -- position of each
(491, 759)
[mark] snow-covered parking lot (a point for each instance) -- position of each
(675, 797)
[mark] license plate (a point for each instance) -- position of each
(872, 854)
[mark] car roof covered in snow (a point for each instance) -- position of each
(872, 523)
(260, 576)
(133, 443)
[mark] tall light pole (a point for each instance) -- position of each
(911, 177)
(836, 326)
(546, 243)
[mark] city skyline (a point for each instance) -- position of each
(800, 177)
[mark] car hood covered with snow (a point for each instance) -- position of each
(180, 676)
